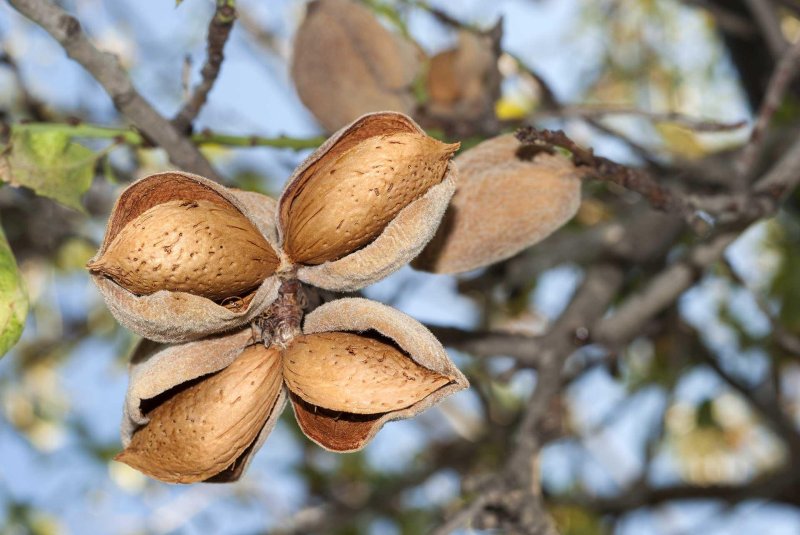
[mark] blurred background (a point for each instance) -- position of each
(670, 433)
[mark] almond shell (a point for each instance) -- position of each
(338, 431)
(400, 240)
(166, 316)
(156, 369)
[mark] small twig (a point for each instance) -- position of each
(597, 112)
(604, 169)
(785, 339)
(768, 20)
(463, 516)
(785, 72)
(135, 139)
(219, 29)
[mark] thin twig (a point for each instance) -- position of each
(604, 169)
(219, 29)
(784, 73)
(597, 112)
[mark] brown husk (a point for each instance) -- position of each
(158, 371)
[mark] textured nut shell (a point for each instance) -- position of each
(202, 430)
(349, 432)
(401, 241)
(177, 316)
(262, 209)
(353, 373)
(198, 247)
(502, 205)
(350, 197)
(346, 64)
(156, 368)
(458, 79)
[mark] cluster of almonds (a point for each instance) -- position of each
(215, 280)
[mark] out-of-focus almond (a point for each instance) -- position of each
(507, 199)
(193, 246)
(346, 64)
(202, 430)
(348, 198)
(351, 373)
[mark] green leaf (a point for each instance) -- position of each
(13, 299)
(49, 163)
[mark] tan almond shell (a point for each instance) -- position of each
(337, 431)
(178, 316)
(347, 372)
(502, 205)
(157, 368)
(400, 241)
(192, 246)
(202, 430)
(349, 199)
(346, 63)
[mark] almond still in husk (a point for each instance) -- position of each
(184, 257)
(508, 197)
(344, 386)
(346, 64)
(198, 247)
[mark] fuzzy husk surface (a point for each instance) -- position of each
(506, 200)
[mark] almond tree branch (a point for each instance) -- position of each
(784, 73)
(106, 69)
(219, 29)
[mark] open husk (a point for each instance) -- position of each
(360, 332)
(346, 64)
(366, 202)
(507, 199)
(175, 316)
(199, 411)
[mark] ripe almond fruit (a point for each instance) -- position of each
(374, 69)
(507, 198)
(194, 246)
(347, 198)
(351, 373)
(202, 430)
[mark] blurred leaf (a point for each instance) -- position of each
(572, 520)
(49, 163)
(681, 141)
(13, 299)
